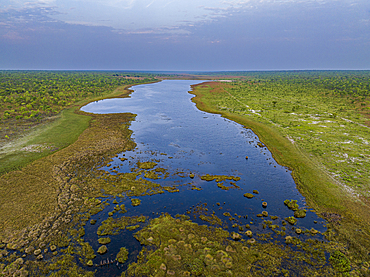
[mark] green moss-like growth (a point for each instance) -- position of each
(90, 263)
(135, 202)
(146, 165)
(288, 239)
(87, 251)
(184, 248)
(104, 240)
(300, 213)
(131, 228)
(102, 250)
(291, 220)
(151, 175)
(219, 178)
(339, 261)
(123, 208)
(291, 204)
(122, 255)
(112, 226)
(248, 195)
(313, 231)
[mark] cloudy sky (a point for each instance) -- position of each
(185, 34)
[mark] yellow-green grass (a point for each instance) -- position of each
(36, 192)
(322, 192)
(44, 140)
(49, 137)
(29, 191)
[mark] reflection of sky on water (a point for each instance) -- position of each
(202, 143)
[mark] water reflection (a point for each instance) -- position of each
(171, 131)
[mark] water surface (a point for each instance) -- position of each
(170, 129)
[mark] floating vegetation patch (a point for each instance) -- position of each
(183, 248)
(219, 178)
(146, 165)
(104, 240)
(135, 202)
(122, 255)
(112, 226)
(291, 204)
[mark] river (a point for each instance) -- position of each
(184, 140)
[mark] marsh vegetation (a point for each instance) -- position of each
(110, 204)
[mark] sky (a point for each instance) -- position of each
(185, 35)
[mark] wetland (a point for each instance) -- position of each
(157, 187)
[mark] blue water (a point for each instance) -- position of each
(194, 141)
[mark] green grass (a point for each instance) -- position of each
(47, 138)
(312, 172)
(328, 128)
(44, 141)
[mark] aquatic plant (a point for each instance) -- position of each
(339, 261)
(288, 239)
(122, 255)
(291, 220)
(112, 226)
(248, 195)
(135, 202)
(146, 165)
(105, 240)
(102, 250)
(313, 231)
(291, 204)
(300, 213)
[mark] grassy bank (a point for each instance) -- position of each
(327, 196)
(38, 190)
(46, 138)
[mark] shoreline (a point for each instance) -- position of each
(69, 128)
(326, 197)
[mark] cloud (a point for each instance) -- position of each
(13, 36)
(147, 6)
(191, 34)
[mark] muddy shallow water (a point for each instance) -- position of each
(182, 140)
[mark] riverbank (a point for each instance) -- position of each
(346, 213)
(50, 136)
(29, 192)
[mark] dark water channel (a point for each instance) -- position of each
(169, 128)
